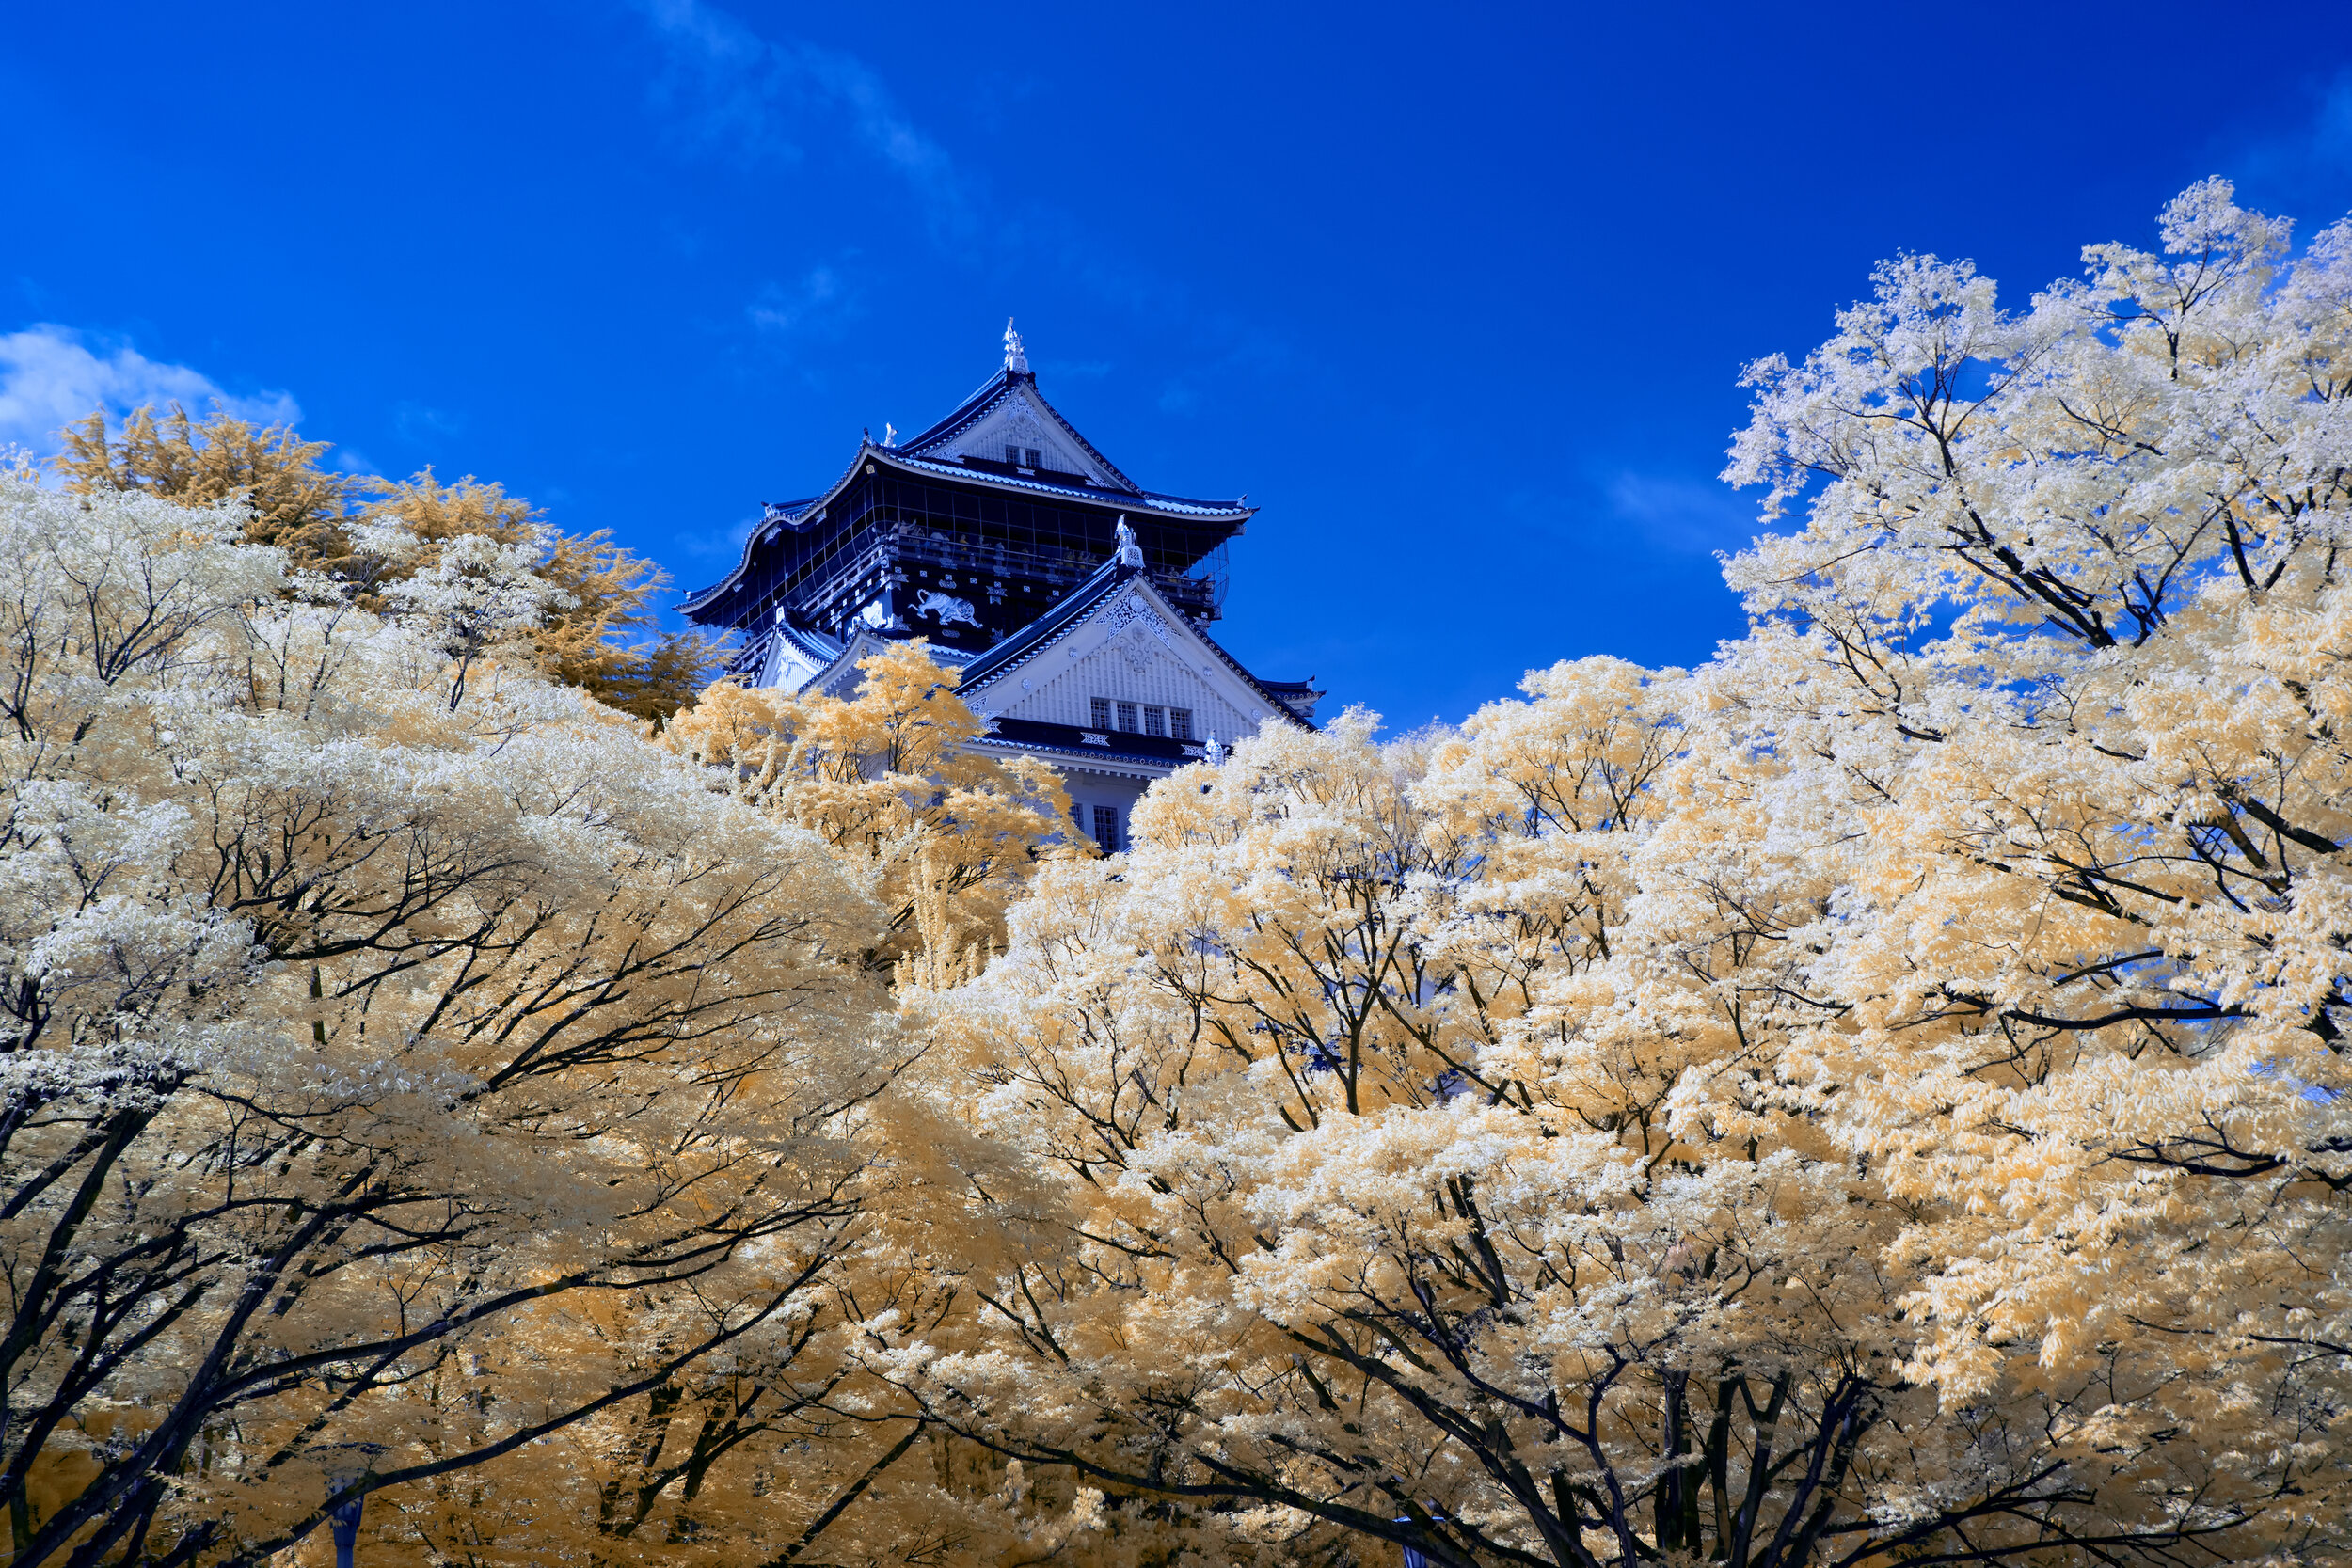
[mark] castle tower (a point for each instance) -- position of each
(1076, 603)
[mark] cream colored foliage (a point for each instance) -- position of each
(946, 838)
(394, 1080)
(1881, 1094)
(1878, 1097)
(597, 594)
(2094, 951)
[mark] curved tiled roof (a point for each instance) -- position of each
(993, 391)
(1142, 502)
(1132, 500)
(1120, 750)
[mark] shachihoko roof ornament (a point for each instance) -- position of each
(1130, 553)
(1015, 360)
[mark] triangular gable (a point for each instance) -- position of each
(1132, 647)
(794, 654)
(1015, 414)
(842, 677)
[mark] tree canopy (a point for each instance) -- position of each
(602, 595)
(1875, 1098)
(1878, 1097)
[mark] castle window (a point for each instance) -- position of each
(1154, 721)
(1024, 457)
(1127, 716)
(1180, 723)
(1106, 829)
(1101, 713)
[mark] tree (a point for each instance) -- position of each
(755, 1455)
(1442, 1162)
(379, 1046)
(2067, 607)
(947, 836)
(602, 595)
(1878, 1097)
(293, 504)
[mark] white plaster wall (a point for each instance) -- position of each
(1089, 790)
(1164, 680)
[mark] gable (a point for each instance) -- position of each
(1019, 423)
(787, 664)
(1131, 651)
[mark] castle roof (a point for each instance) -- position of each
(1083, 603)
(963, 447)
(997, 392)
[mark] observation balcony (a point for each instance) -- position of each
(885, 544)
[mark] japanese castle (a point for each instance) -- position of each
(1074, 604)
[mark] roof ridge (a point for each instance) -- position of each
(1073, 607)
(980, 400)
(1004, 384)
(1128, 500)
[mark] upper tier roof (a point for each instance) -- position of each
(1005, 402)
(1006, 410)
(1141, 502)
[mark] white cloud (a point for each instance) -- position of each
(421, 424)
(1683, 515)
(723, 544)
(51, 376)
(749, 94)
(818, 301)
(2304, 166)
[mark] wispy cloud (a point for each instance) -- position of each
(1674, 513)
(717, 544)
(821, 301)
(773, 99)
(51, 376)
(751, 96)
(423, 424)
(2304, 169)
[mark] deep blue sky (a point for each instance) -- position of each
(1458, 294)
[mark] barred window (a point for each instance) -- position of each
(1154, 720)
(1101, 713)
(1127, 716)
(1106, 829)
(1180, 723)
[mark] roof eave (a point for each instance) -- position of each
(999, 386)
(1214, 511)
(703, 597)
(904, 457)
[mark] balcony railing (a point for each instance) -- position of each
(1196, 596)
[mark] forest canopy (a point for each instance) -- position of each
(1875, 1098)
(600, 597)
